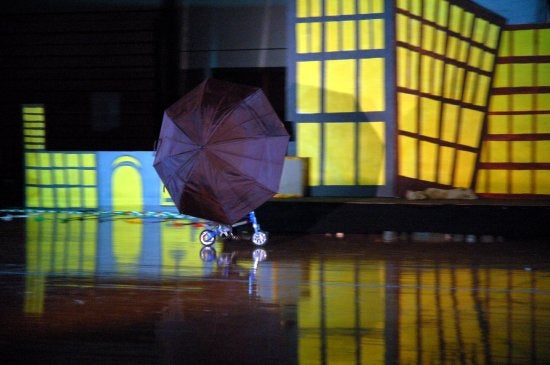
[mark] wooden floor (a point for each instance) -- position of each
(87, 289)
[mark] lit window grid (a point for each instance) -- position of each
(513, 181)
(525, 42)
(340, 86)
(60, 180)
(361, 160)
(34, 130)
(338, 36)
(317, 8)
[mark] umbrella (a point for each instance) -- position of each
(220, 151)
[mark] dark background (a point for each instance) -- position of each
(105, 73)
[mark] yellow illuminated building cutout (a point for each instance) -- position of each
(55, 179)
(445, 58)
(515, 158)
(339, 73)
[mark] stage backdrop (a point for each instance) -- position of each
(385, 95)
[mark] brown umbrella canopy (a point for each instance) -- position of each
(221, 150)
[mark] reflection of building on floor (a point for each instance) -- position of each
(351, 309)
(515, 158)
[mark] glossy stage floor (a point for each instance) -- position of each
(118, 288)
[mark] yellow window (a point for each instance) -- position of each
(429, 117)
(480, 30)
(348, 36)
(430, 10)
(371, 34)
(372, 81)
(467, 21)
(443, 11)
(543, 102)
(73, 176)
(61, 198)
(492, 36)
(497, 151)
(471, 126)
(542, 181)
(427, 74)
(308, 37)
(488, 61)
(500, 103)
(542, 149)
(440, 42)
(308, 8)
(450, 123)
(456, 18)
(89, 177)
(522, 151)
(428, 161)
(402, 28)
(524, 42)
(428, 37)
(339, 168)
(464, 169)
(372, 159)
(523, 102)
(543, 123)
(415, 7)
(332, 36)
(522, 74)
(308, 87)
(470, 87)
(482, 182)
(521, 182)
(308, 144)
(340, 86)
(522, 124)
(407, 112)
(414, 32)
(408, 156)
(543, 74)
(498, 181)
(88, 160)
(474, 58)
(371, 6)
(482, 90)
(504, 50)
(503, 73)
(543, 44)
(446, 164)
(498, 124)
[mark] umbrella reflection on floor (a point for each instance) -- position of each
(300, 300)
